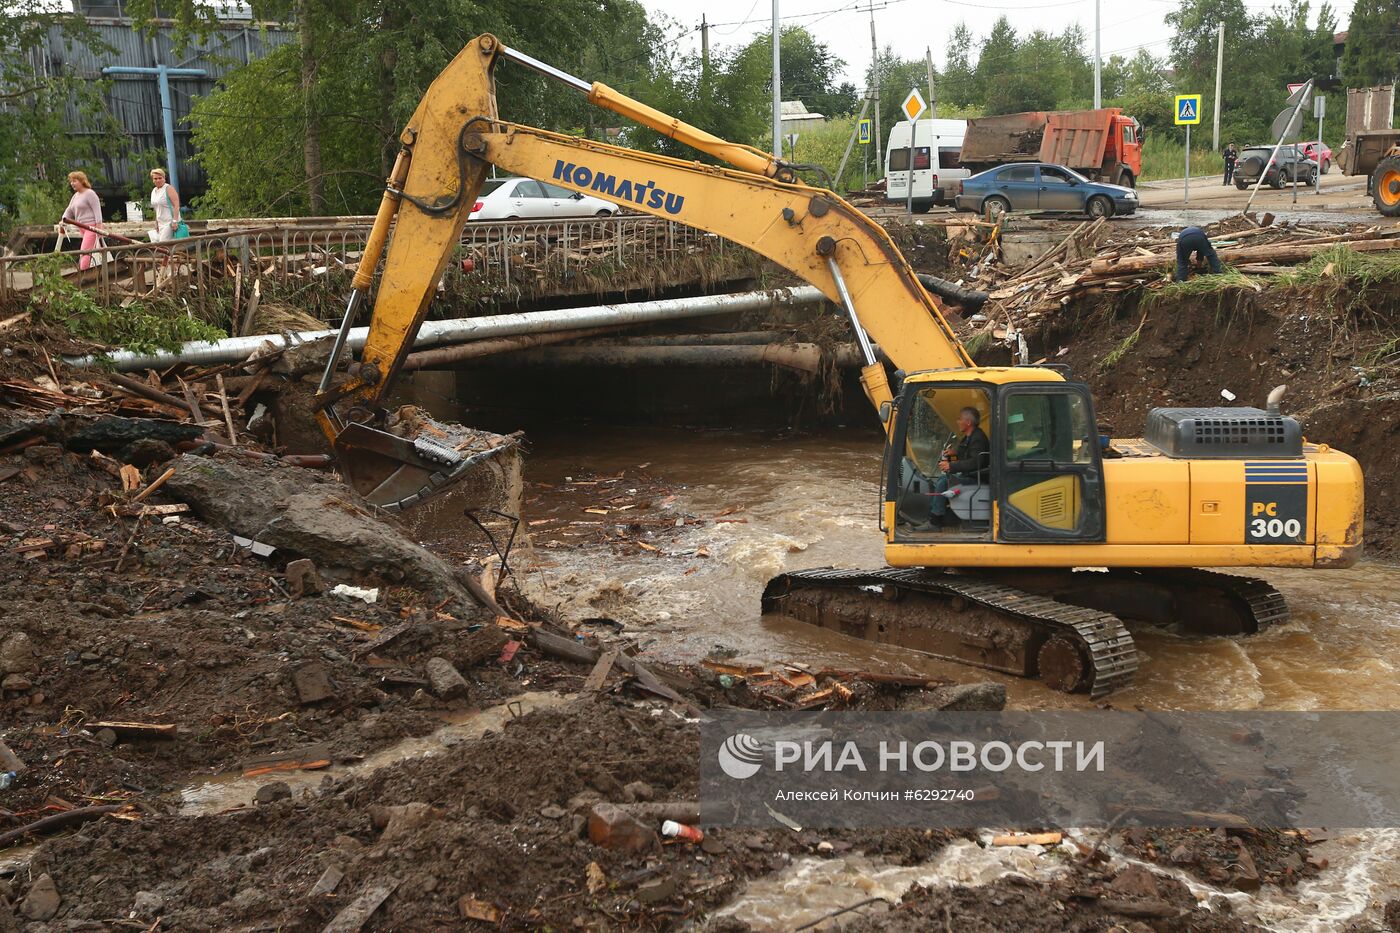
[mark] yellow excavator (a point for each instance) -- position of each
(1041, 549)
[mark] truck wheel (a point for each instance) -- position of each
(1326, 166)
(1099, 206)
(1126, 179)
(1385, 187)
(994, 207)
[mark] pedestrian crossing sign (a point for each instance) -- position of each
(865, 132)
(1188, 109)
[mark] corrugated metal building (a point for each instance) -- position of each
(134, 100)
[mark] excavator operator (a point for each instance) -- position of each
(965, 462)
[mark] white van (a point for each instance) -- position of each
(937, 148)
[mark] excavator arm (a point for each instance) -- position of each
(455, 136)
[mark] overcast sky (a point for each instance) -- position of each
(909, 26)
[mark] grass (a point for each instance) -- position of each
(1230, 279)
(1166, 158)
(1342, 265)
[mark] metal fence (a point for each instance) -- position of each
(507, 259)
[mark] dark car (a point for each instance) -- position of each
(1036, 186)
(1280, 170)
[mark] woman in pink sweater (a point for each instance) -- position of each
(84, 208)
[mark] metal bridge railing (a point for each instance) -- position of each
(508, 258)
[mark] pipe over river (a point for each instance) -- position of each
(463, 330)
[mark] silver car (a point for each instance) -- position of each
(528, 199)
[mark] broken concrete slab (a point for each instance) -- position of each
(302, 512)
(445, 680)
(302, 578)
(42, 901)
(17, 654)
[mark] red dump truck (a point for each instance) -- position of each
(1103, 145)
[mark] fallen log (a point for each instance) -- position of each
(52, 824)
(1273, 253)
(571, 650)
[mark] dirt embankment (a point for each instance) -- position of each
(1331, 350)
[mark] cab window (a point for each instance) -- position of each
(1054, 427)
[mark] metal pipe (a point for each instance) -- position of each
(549, 71)
(340, 337)
(445, 356)
(436, 333)
(866, 350)
(806, 357)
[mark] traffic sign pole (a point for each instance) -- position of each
(914, 108)
(1188, 114)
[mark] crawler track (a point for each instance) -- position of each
(1106, 659)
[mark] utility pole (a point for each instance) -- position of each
(704, 51)
(1219, 69)
(932, 101)
(875, 85)
(1098, 81)
(777, 88)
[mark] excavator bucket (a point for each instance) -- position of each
(397, 473)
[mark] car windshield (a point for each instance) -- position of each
(1073, 174)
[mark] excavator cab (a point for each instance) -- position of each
(1041, 480)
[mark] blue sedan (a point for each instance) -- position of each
(1036, 186)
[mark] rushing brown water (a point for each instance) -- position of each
(812, 501)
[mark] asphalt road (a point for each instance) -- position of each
(1342, 197)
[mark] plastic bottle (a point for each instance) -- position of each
(673, 830)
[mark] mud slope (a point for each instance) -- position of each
(1183, 351)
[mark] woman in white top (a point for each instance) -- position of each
(165, 204)
(84, 208)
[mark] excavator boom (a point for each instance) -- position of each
(455, 136)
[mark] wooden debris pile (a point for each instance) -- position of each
(798, 687)
(1098, 257)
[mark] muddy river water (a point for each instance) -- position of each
(812, 501)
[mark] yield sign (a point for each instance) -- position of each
(913, 105)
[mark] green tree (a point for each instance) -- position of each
(958, 85)
(996, 68)
(345, 89)
(1372, 54)
(810, 72)
(37, 148)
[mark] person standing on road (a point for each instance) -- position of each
(165, 204)
(1231, 157)
(1193, 240)
(84, 208)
